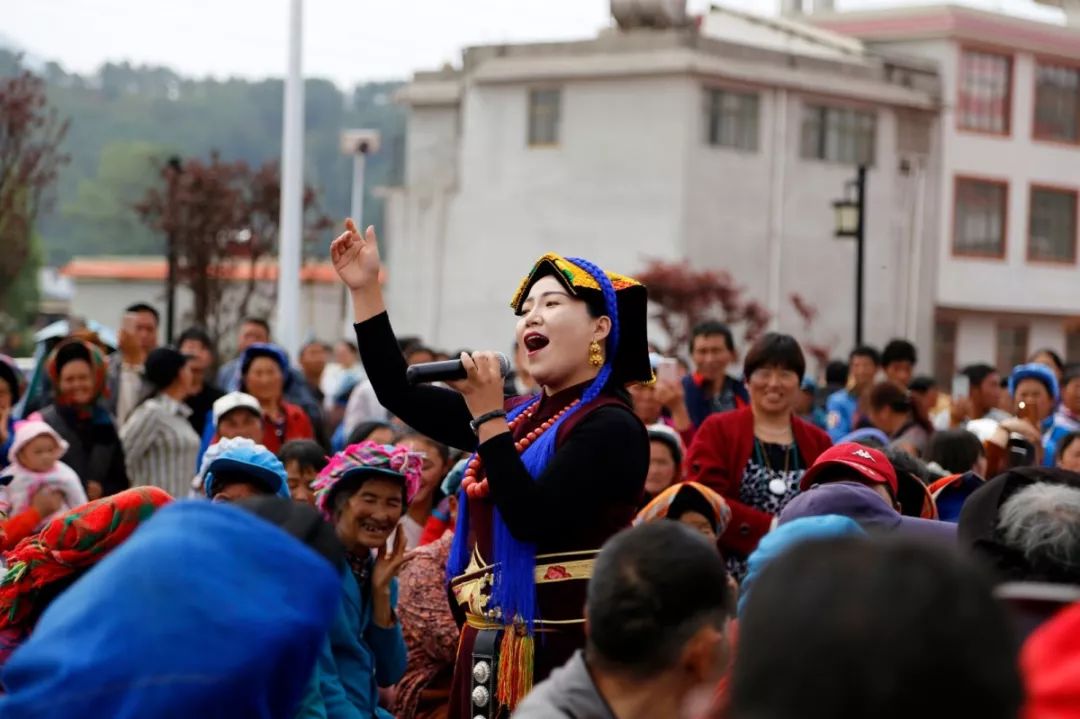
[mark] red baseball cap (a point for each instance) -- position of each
(868, 463)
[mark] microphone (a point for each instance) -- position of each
(448, 371)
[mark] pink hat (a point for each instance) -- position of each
(28, 430)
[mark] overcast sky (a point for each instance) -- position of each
(344, 40)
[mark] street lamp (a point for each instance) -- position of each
(175, 168)
(359, 144)
(851, 222)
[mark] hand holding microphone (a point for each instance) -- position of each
(481, 378)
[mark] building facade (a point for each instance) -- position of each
(723, 143)
(1008, 279)
(104, 286)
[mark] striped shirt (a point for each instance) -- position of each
(160, 446)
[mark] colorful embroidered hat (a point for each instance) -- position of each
(687, 497)
(349, 468)
(630, 362)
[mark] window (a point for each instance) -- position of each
(1057, 103)
(1052, 225)
(731, 119)
(544, 117)
(1072, 342)
(985, 97)
(838, 134)
(944, 351)
(1012, 347)
(979, 218)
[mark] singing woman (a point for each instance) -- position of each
(553, 475)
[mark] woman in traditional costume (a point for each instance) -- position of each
(553, 475)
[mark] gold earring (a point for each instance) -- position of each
(596, 355)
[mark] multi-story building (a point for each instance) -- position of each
(723, 141)
(1007, 280)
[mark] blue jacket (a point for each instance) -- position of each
(359, 657)
(699, 405)
(206, 611)
(1063, 424)
(841, 407)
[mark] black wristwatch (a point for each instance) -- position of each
(483, 419)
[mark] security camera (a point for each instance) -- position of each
(359, 142)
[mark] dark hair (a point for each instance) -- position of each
(313, 343)
(882, 629)
(440, 448)
(836, 372)
(306, 453)
(143, 307)
(955, 450)
(773, 349)
(899, 351)
(418, 348)
(712, 328)
(196, 334)
(364, 430)
(251, 320)
(1071, 373)
(653, 587)
(887, 394)
(1065, 442)
(868, 352)
(1054, 357)
(351, 346)
(977, 373)
(906, 463)
(922, 383)
(226, 478)
(406, 343)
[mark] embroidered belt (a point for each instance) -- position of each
(472, 588)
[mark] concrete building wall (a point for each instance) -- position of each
(322, 313)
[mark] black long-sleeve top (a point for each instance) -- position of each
(588, 491)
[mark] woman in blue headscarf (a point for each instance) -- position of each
(553, 475)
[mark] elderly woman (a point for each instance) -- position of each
(754, 457)
(554, 476)
(264, 374)
(43, 566)
(160, 445)
(77, 372)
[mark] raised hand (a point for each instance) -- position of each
(356, 257)
(389, 563)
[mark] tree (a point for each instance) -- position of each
(102, 214)
(683, 297)
(30, 135)
(223, 220)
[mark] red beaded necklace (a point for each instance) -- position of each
(478, 488)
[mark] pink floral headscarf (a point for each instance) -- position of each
(387, 458)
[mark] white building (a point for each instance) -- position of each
(1008, 282)
(724, 141)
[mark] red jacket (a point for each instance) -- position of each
(718, 456)
(297, 426)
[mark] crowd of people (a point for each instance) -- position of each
(604, 532)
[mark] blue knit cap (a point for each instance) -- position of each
(243, 456)
(1034, 370)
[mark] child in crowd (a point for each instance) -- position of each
(35, 465)
(303, 460)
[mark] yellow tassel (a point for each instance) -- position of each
(516, 657)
